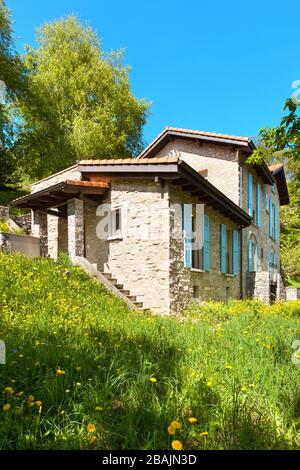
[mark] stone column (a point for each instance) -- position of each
(40, 229)
(280, 289)
(75, 228)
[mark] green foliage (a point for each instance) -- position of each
(11, 83)
(285, 137)
(77, 356)
(78, 102)
(5, 227)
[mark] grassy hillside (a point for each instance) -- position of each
(85, 372)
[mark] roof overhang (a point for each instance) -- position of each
(59, 194)
(279, 176)
(244, 144)
(176, 172)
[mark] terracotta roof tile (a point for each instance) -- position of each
(130, 161)
(210, 134)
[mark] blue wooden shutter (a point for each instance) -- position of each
(206, 253)
(274, 260)
(249, 250)
(267, 201)
(235, 252)
(258, 204)
(276, 223)
(188, 235)
(223, 248)
(270, 217)
(250, 198)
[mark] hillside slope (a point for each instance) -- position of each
(85, 372)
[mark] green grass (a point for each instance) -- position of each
(294, 282)
(79, 351)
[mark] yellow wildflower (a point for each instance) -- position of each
(153, 380)
(98, 408)
(192, 420)
(171, 430)
(19, 394)
(31, 398)
(176, 445)
(60, 372)
(6, 407)
(67, 391)
(203, 434)
(176, 425)
(229, 366)
(78, 384)
(91, 427)
(38, 403)
(9, 390)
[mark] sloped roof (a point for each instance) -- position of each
(277, 171)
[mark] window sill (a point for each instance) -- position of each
(195, 270)
(113, 238)
(229, 275)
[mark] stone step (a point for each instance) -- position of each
(119, 286)
(107, 275)
(125, 292)
(131, 297)
(138, 304)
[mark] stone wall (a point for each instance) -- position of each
(140, 258)
(258, 285)
(292, 293)
(260, 234)
(212, 285)
(4, 213)
(70, 173)
(220, 160)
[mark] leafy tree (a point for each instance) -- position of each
(285, 137)
(282, 144)
(78, 103)
(11, 82)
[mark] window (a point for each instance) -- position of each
(229, 251)
(196, 237)
(196, 292)
(252, 255)
(197, 229)
(267, 201)
(254, 203)
(115, 223)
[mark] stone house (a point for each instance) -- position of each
(187, 219)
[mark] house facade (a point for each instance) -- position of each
(188, 219)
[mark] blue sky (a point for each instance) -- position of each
(222, 66)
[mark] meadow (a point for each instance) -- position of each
(84, 372)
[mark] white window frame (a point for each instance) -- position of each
(115, 232)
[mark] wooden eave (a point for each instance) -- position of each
(59, 194)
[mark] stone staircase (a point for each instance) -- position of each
(125, 292)
(110, 283)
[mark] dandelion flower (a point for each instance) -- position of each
(31, 398)
(9, 390)
(153, 380)
(176, 425)
(171, 430)
(19, 394)
(60, 372)
(78, 384)
(38, 403)
(91, 427)
(192, 420)
(98, 408)
(176, 445)
(6, 407)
